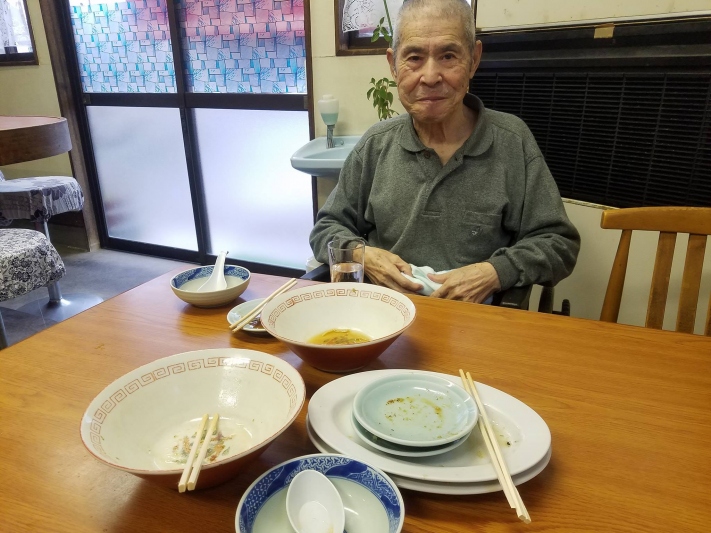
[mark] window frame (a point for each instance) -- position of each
(18, 59)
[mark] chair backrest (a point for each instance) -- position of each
(696, 221)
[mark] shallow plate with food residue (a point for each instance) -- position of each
(255, 326)
(398, 449)
(419, 411)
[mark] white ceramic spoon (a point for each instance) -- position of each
(313, 504)
(216, 281)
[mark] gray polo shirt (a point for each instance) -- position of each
(495, 200)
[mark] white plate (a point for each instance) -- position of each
(241, 310)
(398, 449)
(419, 410)
(434, 487)
(517, 424)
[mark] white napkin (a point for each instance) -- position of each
(419, 275)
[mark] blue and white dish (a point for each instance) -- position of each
(398, 449)
(186, 284)
(372, 502)
(415, 410)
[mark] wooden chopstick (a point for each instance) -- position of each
(197, 465)
(193, 450)
(487, 431)
(254, 312)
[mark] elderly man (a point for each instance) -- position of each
(451, 185)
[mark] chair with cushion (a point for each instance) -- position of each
(27, 261)
(38, 199)
(669, 221)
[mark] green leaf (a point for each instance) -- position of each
(374, 38)
(390, 97)
(372, 80)
(370, 91)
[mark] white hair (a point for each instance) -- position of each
(458, 10)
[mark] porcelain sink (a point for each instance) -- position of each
(315, 159)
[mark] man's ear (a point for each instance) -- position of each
(476, 59)
(391, 61)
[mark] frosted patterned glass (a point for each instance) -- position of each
(243, 46)
(143, 175)
(259, 207)
(123, 47)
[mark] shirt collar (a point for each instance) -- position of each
(477, 143)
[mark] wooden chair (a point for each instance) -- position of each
(696, 221)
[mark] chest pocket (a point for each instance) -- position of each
(480, 234)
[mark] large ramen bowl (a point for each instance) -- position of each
(144, 422)
(297, 316)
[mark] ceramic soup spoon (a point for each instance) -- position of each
(216, 281)
(313, 504)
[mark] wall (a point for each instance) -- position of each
(506, 13)
(29, 90)
(347, 78)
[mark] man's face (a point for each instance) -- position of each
(433, 67)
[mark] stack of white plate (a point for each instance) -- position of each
(460, 465)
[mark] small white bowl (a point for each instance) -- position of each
(372, 502)
(186, 284)
(140, 422)
(416, 410)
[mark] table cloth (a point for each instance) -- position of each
(38, 198)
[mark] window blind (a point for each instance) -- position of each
(622, 139)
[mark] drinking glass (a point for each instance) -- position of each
(346, 256)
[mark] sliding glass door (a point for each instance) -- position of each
(192, 110)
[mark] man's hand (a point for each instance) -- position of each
(472, 283)
(385, 268)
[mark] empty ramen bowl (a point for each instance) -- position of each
(372, 502)
(145, 422)
(297, 317)
(186, 284)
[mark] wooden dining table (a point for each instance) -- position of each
(629, 411)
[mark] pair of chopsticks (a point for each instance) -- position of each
(254, 312)
(193, 466)
(487, 432)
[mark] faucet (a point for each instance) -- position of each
(329, 136)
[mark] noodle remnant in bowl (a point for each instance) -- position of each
(340, 336)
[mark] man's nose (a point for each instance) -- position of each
(431, 74)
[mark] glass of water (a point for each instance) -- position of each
(346, 257)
